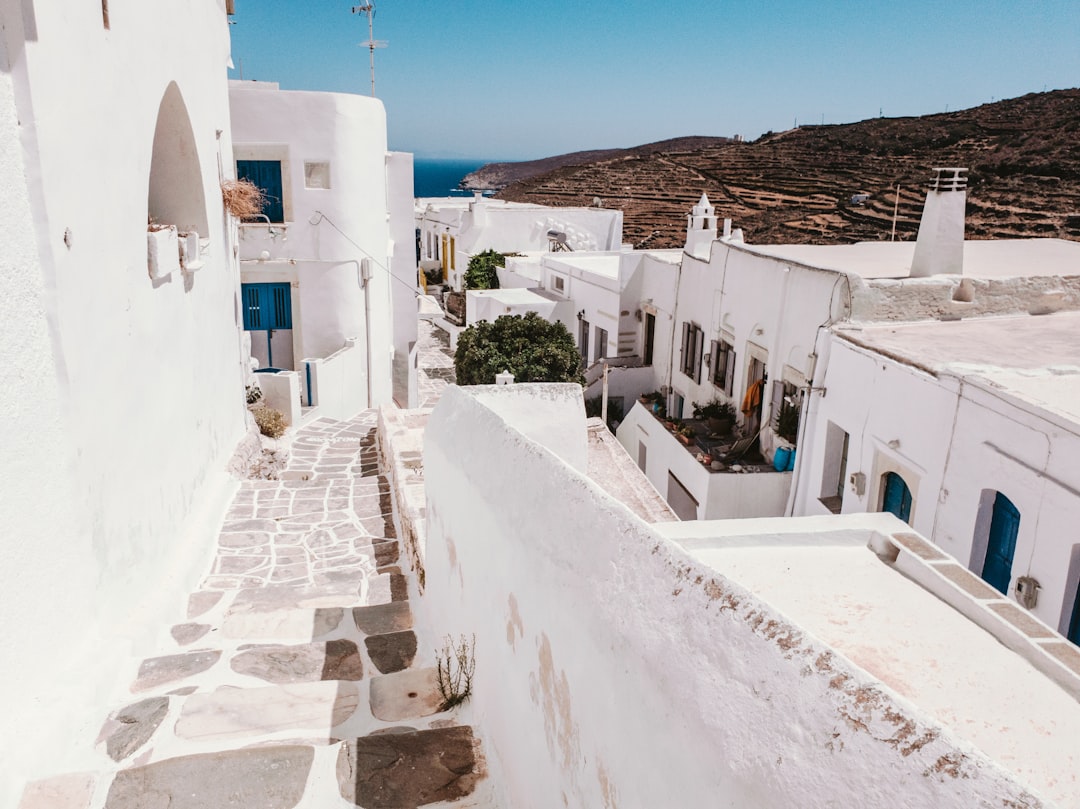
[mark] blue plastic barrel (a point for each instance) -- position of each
(780, 459)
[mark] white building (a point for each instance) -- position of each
(453, 229)
(319, 267)
(747, 319)
(968, 430)
(123, 393)
(809, 662)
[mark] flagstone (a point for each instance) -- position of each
(441, 766)
(71, 791)
(309, 662)
(199, 603)
(257, 778)
(131, 727)
(189, 633)
(230, 713)
(157, 671)
(392, 651)
(383, 619)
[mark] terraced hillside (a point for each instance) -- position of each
(797, 186)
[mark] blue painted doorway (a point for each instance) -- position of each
(268, 316)
(1004, 526)
(897, 497)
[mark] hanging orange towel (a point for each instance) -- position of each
(752, 400)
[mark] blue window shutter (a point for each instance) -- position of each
(266, 306)
(267, 175)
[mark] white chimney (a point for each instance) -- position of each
(700, 228)
(940, 247)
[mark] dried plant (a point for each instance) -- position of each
(455, 665)
(271, 422)
(242, 198)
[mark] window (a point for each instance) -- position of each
(723, 366)
(559, 283)
(316, 175)
(650, 336)
(834, 472)
(785, 410)
(642, 455)
(583, 340)
(692, 345)
(600, 350)
(266, 174)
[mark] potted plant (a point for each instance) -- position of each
(685, 433)
(719, 415)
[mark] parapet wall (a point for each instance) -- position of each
(614, 670)
(954, 297)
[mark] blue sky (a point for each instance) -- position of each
(502, 79)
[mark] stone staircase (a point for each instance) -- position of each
(295, 680)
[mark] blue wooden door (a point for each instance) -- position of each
(267, 175)
(897, 498)
(1004, 526)
(268, 314)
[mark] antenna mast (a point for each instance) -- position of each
(372, 43)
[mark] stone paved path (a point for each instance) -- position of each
(435, 363)
(294, 680)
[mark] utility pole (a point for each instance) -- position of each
(372, 43)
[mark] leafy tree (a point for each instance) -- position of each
(482, 272)
(529, 347)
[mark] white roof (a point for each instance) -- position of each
(1034, 357)
(983, 258)
(820, 573)
(605, 264)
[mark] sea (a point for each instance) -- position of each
(440, 178)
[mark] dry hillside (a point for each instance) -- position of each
(797, 186)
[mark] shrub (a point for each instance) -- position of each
(455, 665)
(242, 198)
(482, 272)
(271, 422)
(716, 409)
(529, 347)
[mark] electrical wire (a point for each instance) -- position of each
(374, 260)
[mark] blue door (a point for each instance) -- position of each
(267, 175)
(897, 499)
(1004, 526)
(268, 315)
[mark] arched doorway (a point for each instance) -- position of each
(1001, 543)
(896, 496)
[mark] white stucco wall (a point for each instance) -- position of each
(404, 288)
(124, 397)
(329, 231)
(613, 669)
(952, 438)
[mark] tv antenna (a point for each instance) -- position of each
(372, 43)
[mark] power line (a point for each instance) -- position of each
(374, 260)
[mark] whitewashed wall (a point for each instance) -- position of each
(720, 495)
(950, 441)
(124, 398)
(330, 231)
(404, 287)
(612, 669)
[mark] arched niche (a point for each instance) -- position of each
(176, 194)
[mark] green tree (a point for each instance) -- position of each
(529, 347)
(482, 272)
